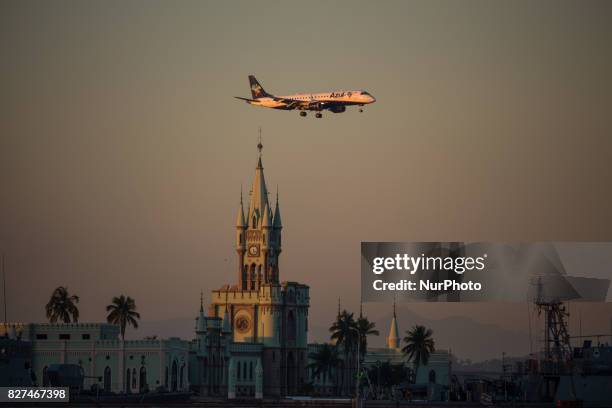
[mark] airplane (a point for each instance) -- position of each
(335, 102)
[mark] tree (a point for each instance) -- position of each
(123, 312)
(365, 328)
(344, 332)
(62, 306)
(324, 361)
(419, 345)
(387, 375)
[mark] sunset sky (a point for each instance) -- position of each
(122, 151)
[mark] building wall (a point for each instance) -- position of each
(99, 353)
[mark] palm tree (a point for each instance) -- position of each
(324, 361)
(62, 306)
(419, 345)
(344, 332)
(365, 328)
(123, 312)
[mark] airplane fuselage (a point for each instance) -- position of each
(340, 97)
(335, 101)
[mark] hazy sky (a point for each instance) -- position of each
(122, 151)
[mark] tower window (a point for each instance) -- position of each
(254, 222)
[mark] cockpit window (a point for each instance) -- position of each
(365, 93)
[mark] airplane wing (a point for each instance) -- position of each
(245, 99)
(289, 103)
(302, 105)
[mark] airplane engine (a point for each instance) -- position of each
(338, 109)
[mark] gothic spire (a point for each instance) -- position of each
(277, 216)
(259, 192)
(201, 320)
(240, 221)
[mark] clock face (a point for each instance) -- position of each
(243, 324)
(253, 250)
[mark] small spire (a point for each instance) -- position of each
(201, 301)
(393, 341)
(240, 220)
(259, 145)
(277, 223)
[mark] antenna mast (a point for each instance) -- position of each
(4, 290)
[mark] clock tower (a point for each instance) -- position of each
(258, 236)
(259, 312)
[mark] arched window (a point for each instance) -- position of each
(254, 222)
(251, 370)
(432, 376)
(244, 370)
(128, 376)
(107, 379)
(166, 378)
(291, 370)
(143, 379)
(134, 386)
(291, 326)
(45, 377)
(182, 379)
(174, 376)
(204, 369)
(238, 372)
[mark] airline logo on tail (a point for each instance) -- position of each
(256, 89)
(335, 101)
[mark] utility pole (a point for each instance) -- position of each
(504, 376)
(358, 366)
(4, 293)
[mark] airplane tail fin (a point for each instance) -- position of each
(256, 89)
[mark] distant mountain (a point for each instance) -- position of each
(466, 338)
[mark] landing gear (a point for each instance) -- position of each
(318, 115)
(302, 113)
(360, 109)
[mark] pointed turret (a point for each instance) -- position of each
(240, 221)
(201, 320)
(226, 326)
(278, 224)
(393, 341)
(259, 196)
